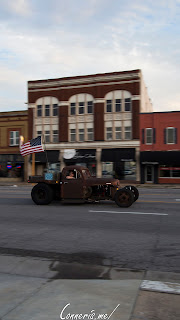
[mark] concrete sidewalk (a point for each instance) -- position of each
(37, 288)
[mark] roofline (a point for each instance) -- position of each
(160, 112)
(87, 75)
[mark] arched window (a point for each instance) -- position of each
(46, 119)
(118, 115)
(81, 124)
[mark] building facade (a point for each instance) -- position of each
(160, 147)
(91, 120)
(12, 164)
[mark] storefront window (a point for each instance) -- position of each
(11, 170)
(169, 172)
(107, 169)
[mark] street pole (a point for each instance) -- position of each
(33, 164)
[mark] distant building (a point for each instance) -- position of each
(160, 147)
(91, 120)
(12, 125)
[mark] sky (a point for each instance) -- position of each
(46, 39)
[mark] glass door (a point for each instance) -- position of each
(149, 173)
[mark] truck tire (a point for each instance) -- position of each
(134, 190)
(42, 194)
(124, 198)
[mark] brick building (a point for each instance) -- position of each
(12, 125)
(92, 120)
(160, 147)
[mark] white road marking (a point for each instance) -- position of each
(177, 199)
(168, 287)
(131, 212)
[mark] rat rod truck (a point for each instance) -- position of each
(82, 187)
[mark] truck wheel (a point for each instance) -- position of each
(134, 190)
(42, 194)
(124, 198)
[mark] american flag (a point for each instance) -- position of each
(33, 145)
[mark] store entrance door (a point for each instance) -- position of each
(149, 174)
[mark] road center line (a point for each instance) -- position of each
(131, 212)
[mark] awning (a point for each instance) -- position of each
(83, 156)
(160, 157)
(118, 154)
(52, 156)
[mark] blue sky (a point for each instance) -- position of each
(42, 39)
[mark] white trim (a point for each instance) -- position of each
(63, 103)
(136, 97)
(99, 100)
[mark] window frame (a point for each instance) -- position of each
(54, 109)
(81, 134)
(118, 131)
(47, 110)
(39, 110)
(109, 103)
(72, 134)
(167, 135)
(126, 132)
(149, 130)
(81, 105)
(129, 103)
(14, 138)
(118, 104)
(110, 132)
(90, 133)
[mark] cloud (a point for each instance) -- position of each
(51, 39)
(18, 7)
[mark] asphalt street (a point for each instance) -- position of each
(144, 236)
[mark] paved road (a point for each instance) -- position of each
(144, 236)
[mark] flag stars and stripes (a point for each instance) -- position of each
(32, 146)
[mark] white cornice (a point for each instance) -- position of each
(94, 145)
(82, 86)
(83, 80)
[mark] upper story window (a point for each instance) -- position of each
(118, 125)
(90, 107)
(149, 136)
(80, 104)
(109, 133)
(170, 135)
(118, 105)
(47, 107)
(118, 133)
(118, 101)
(47, 110)
(81, 135)
(108, 105)
(39, 111)
(55, 109)
(55, 136)
(73, 109)
(72, 135)
(14, 138)
(90, 134)
(127, 104)
(127, 133)
(81, 108)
